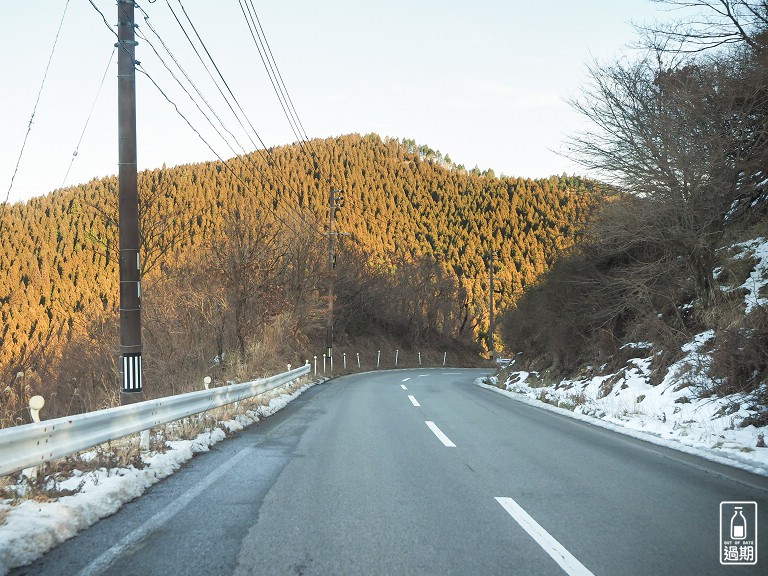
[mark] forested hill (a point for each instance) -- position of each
(408, 211)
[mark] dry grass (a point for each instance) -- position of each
(126, 452)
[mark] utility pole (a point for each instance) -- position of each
(130, 281)
(491, 326)
(335, 200)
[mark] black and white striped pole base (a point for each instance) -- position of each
(131, 373)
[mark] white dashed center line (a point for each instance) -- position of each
(559, 554)
(439, 433)
(403, 386)
(413, 400)
(406, 379)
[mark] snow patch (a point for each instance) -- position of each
(670, 414)
(28, 530)
(758, 277)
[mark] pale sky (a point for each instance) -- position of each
(483, 81)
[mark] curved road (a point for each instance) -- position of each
(421, 472)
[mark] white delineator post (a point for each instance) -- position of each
(36, 404)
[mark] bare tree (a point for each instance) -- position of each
(247, 263)
(161, 226)
(706, 24)
(688, 140)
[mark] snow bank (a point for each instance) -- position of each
(669, 414)
(674, 412)
(32, 528)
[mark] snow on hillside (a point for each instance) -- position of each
(672, 413)
(668, 414)
(758, 277)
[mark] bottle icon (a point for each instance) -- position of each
(738, 525)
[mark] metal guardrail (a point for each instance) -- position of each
(32, 444)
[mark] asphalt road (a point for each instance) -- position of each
(421, 472)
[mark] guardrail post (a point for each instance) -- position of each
(445, 355)
(36, 404)
(358, 359)
(144, 441)
(397, 352)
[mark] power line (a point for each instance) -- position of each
(194, 87)
(271, 159)
(218, 71)
(268, 67)
(335, 196)
(268, 161)
(279, 75)
(90, 113)
(200, 136)
(34, 110)
(196, 131)
(210, 74)
(107, 24)
(272, 69)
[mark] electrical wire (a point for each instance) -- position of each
(226, 165)
(270, 65)
(218, 71)
(194, 87)
(98, 92)
(239, 155)
(281, 82)
(107, 24)
(264, 150)
(268, 161)
(179, 66)
(34, 111)
(278, 85)
(143, 71)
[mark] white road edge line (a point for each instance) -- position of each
(101, 564)
(439, 433)
(403, 386)
(413, 400)
(559, 554)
